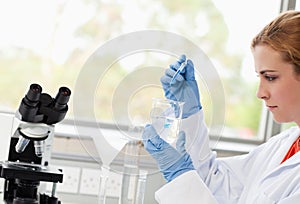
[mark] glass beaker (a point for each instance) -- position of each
(166, 118)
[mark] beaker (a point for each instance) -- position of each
(166, 118)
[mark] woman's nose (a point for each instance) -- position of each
(262, 93)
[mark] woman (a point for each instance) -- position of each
(268, 174)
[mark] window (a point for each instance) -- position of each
(51, 42)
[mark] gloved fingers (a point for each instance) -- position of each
(174, 66)
(149, 132)
(150, 135)
(154, 145)
(190, 71)
(167, 78)
(182, 58)
(162, 151)
(170, 73)
(180, 144)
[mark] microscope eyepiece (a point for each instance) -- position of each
(38, 107)
(29, 105)
(34, 93)
(62, 98)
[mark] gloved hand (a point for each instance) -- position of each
(172, 162)
(184, 88)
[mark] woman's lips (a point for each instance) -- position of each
(271, 107)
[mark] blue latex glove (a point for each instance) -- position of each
(172, 162)
(184, 88)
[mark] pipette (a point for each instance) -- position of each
(179, 70)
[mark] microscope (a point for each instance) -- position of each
(30, 148)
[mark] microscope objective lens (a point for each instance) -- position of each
(39, 148)
(22, 144)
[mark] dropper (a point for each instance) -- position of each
(179, 70)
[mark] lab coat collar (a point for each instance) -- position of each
(290, 141)
(294, 160)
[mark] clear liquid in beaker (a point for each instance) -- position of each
(167, 128)
(166, 118)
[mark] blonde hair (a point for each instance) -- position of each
(283, 35)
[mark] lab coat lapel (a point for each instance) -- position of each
(279, 180)
(293, 161)
(284, 147)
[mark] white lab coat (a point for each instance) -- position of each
(257, 177)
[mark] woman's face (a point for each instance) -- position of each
(279, 85)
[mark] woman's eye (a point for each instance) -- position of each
(270, 78)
